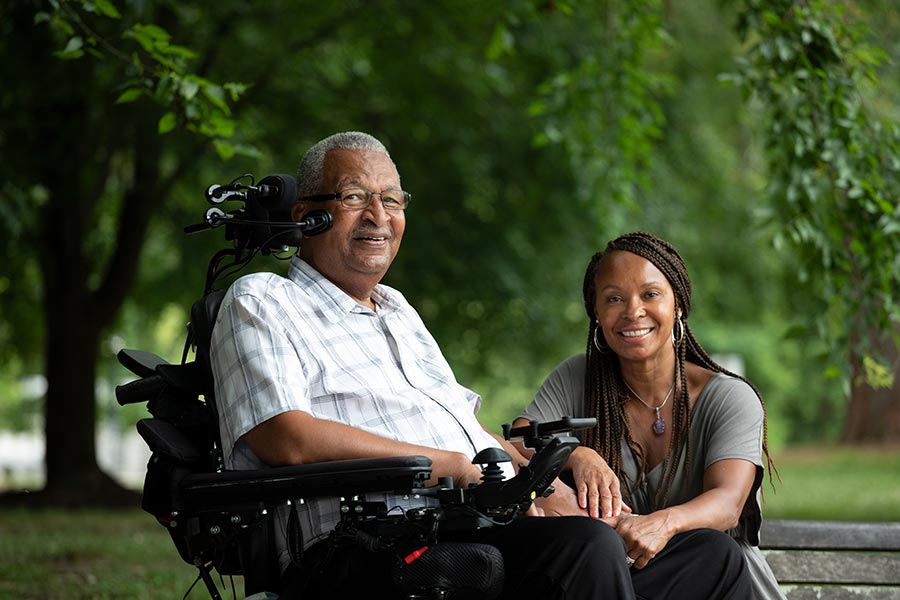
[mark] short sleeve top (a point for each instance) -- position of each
(726, 423)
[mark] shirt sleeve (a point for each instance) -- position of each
(256, 369)
(561, 394)
(733, 428)
(733, 425)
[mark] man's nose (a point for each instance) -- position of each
(377, 212)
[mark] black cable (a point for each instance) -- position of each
(188, 592)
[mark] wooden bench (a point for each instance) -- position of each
(833, 560)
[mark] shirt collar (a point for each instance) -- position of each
(334, 301)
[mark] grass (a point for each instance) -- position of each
(836, 483)
(91, 555)
(100, 555)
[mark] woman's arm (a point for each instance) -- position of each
(726, 485)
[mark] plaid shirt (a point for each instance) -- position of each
(303, 344)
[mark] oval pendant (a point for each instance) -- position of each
(659, 426)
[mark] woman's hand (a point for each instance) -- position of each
(644, 535)
(596, 485)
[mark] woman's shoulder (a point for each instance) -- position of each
(571, 368)
(724, 392)
(561, 393)
(576, 362)
(723, 383)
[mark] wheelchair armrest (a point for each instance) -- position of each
(166, 439)
(233, 490)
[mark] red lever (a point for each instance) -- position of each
(409, 558)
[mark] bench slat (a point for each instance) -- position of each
(829, 535)
(834, 567)
(841, 593)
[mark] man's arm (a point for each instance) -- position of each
(296, 437)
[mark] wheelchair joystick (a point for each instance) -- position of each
(490, 457)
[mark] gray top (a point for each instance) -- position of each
(726, 423)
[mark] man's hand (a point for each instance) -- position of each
(459, 466)
(561, 503)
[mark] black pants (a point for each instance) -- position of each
(572, 558)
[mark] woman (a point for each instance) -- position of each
(679, 439)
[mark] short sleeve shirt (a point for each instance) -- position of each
(300, 343)
(726, 422)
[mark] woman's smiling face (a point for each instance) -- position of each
(634, 306)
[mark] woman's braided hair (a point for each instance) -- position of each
(605, 393)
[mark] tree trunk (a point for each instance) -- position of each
(73, 475)
(873, 415)
(77, 141)
(75, 318)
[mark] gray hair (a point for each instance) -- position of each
(310, 171)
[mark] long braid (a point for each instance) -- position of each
(604, 389)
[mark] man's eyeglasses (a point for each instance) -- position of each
(358, 198)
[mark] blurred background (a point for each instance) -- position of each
(759, 136)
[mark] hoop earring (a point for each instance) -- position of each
(677, 342)
(602, 349)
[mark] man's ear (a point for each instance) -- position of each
(298, 210)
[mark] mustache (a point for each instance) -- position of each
(372, 232)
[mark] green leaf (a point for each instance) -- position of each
(796, 332)
(129, 95)
(235, 89)
(106, 7)
(74, 49)
(832, 372)
(189, 88)
(501, 43)
(224, 148)
(154, 33)
(166, 123)
(216, 96)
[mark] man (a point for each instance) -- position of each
(330, 364)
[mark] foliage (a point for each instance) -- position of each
(834, 166)
(155, 68)
(529, 132)
(606, 109)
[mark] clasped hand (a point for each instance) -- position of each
(644, 535)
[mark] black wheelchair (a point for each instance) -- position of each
(223, 520)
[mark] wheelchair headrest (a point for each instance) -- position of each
(279, 201)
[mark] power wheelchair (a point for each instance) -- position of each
(223, 520)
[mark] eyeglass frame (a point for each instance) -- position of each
(407, 198)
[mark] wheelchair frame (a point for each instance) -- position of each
(222, 520)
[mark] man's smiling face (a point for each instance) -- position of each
(360, 246)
